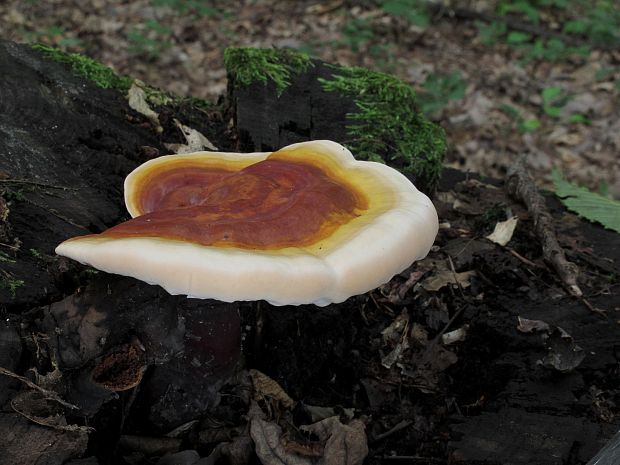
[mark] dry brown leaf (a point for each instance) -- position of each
(47, 394)
(529, 326)
(44, 411)
(138, 101)
(562, 136)
(196, 141)
(345, 444)
(270, 447)
(428, 365)
(445, 277)
(398, 292)
(264, 387)
(396, 336)
(340, 444)
(457, 335)
(564, 354)
(393, 334)
(503, 231)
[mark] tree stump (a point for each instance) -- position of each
(501, 365)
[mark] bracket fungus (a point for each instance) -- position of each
(305, 224)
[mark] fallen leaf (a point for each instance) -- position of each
(564, 355)
(394, 333)
(397, 294)
(138, 101)
(478, 108)
(503, 231)
(455, 336)
(529, 326)
(419, 335)
(43, 410)
(270, 449)
(196, 141)
(393, 356)
(429, 364)
(562, 136)
(445, 277)
(264, 387)
(345, 444)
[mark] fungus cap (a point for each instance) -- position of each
(305, 224)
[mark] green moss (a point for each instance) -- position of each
(246, 65)
(88, 68)
(388, 126)
(106, 78)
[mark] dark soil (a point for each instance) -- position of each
(532, 377)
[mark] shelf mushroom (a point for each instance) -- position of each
(307, 224)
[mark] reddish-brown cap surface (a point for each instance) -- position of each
(305, 224)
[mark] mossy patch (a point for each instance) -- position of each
(88, 68)
(388, 126)
(106, 78)
(246, 65)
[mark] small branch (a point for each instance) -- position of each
(521, 186)
(398, 427)
(48, 394)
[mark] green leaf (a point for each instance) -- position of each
(549, 94)
(552, 111)
(511, 111)
(517, 37)
(576, 26)
(492, 32)
(587, 204)
(414, 11)
(529, 125)
(578, 118)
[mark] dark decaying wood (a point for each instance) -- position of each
(266, 120)
(500, 395)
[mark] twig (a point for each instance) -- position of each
(520, 185)
(592, 308)
(523, 259)
(401, 425)
(48, 394)
(458, 283)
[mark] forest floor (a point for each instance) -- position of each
(478, 354)
(501, 84)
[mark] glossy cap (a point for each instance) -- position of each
(305, 224)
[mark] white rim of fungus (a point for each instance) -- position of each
(382, 248)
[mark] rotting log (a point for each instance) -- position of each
(65, 147)
(281, 96)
